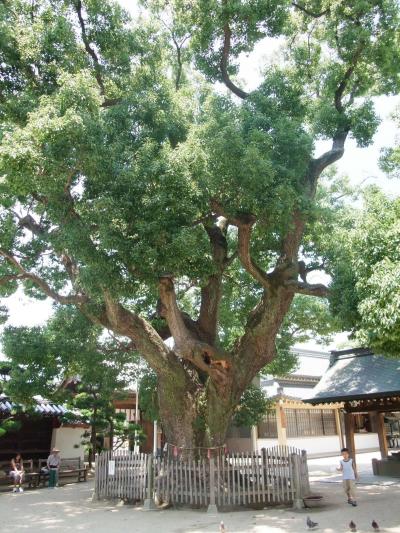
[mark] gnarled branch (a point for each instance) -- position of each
(310, 289)
(212, 292)
(124, 322)
(320, 163)
(201, 354)
(244, 240)
(171, 312)
(245, 224)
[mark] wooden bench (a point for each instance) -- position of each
(69, 468)
(5, 468)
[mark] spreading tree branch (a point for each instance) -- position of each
(88, 48)
(342, 86)
(201, 354)
(319, 164)
(107, 102)
(171, 312)
(126, 323)
(309, 12)
(211, 293)
(10, 277)
(310, 289)
(224, 64)
(76, 299)
(245, 224)
(178, 47)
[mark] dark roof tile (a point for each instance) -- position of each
(358, 376)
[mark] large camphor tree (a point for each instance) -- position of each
(141, 183)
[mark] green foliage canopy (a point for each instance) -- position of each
(126, 172)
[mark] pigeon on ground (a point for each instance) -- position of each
(222, 527)
(310, 523)
(375, 525)
(352, 526)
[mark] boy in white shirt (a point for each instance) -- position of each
(349, 472)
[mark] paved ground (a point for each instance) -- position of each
(70, 509)
(324, 470)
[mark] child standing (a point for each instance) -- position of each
(349, 472)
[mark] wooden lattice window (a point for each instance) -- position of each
(310, 422)
(267, 428)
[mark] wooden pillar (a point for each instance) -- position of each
(281, 423)
(349, 432)
(380, 428)
(339, 428)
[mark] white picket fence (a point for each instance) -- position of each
(271, 476)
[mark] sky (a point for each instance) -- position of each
(359, 164)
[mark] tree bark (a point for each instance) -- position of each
(194, 414)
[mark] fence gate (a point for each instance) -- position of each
(121, 474)
(262, 477)
(274, 475)
(185, 481)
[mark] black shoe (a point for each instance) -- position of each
(350, 502)
(354, 504)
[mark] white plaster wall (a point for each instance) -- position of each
(314, 446)
(325, 446)
(66, 439)
(317, 446)
(366, 441)
(266, 443)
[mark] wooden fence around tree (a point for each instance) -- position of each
(271, 476)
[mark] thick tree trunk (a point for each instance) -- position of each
(196, 407)
(195, 410)
(193, 413)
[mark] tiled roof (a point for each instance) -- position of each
(298, 379)
(356, 375)
(42, 406)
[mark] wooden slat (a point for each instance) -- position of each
(244, 478)
(205, 499)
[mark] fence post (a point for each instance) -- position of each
(149, 504)
(212, 508)
(304, 473)
(96, 494)
(298, 497)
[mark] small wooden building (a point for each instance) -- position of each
(40, 430)
(368, 386)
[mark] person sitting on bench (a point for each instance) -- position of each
(53, 464)
(17, 473)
